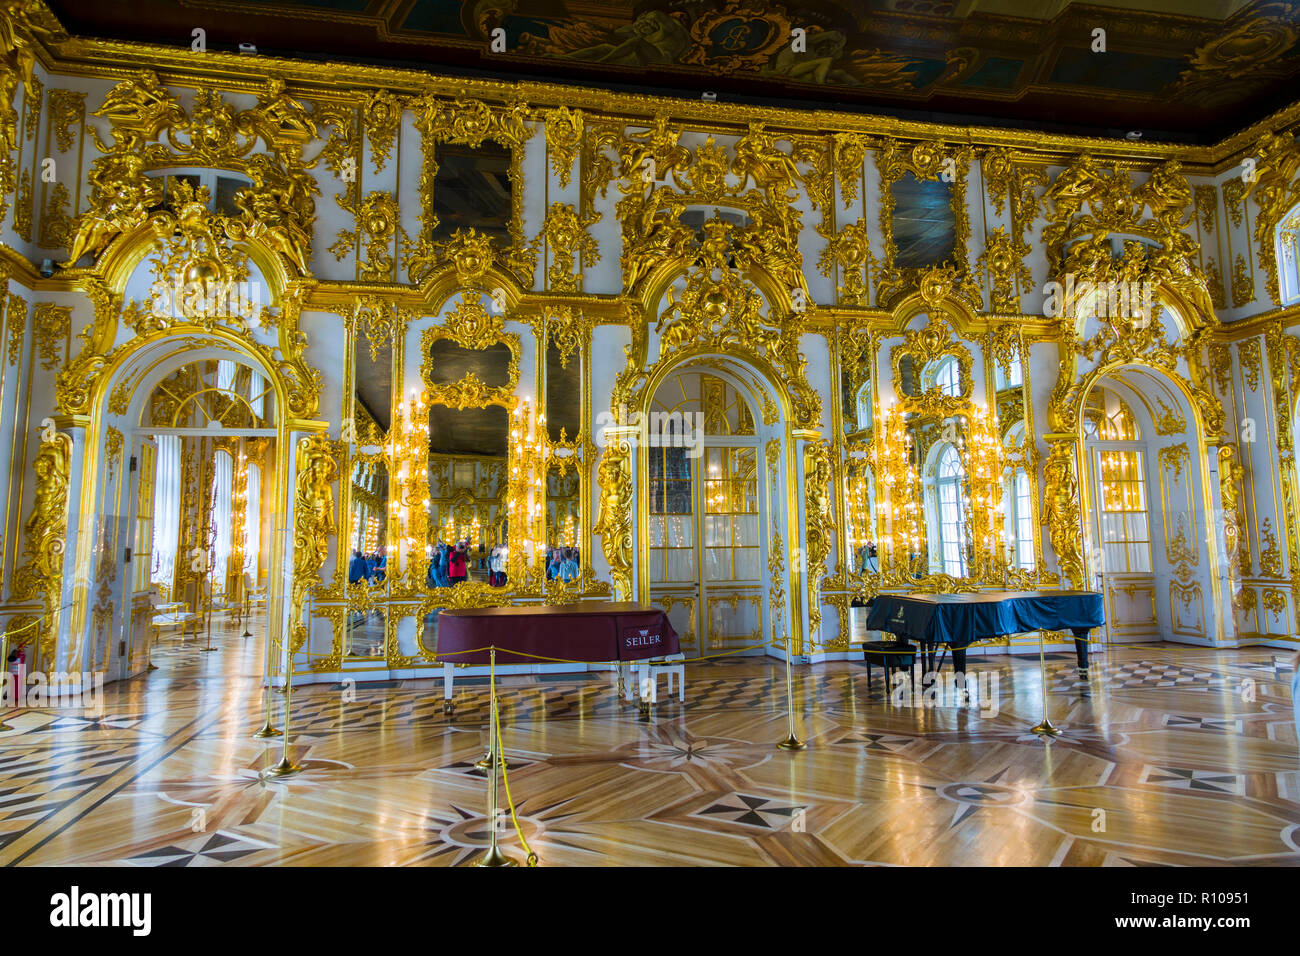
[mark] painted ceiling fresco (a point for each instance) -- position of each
(1187, 70)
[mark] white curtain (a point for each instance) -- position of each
(256, 386)
(222, 490)
(226, 375)
(166, 510)
(253, 523)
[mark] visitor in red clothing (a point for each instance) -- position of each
(458, 564)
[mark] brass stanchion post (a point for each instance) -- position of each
(493, 856)
(286, 767)
(488, 760)
(792, 742)
(4, 675)
(1044, 728)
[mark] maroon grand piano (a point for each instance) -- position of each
(573, 632)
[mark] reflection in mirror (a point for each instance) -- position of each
(860, 493)
(1018, 527)
(942, 446)
(467, 495)
(367, 565)
(856, 393)
(563, 521)
(472, 189)
(924, 223)
(452, 362)
(563, 394)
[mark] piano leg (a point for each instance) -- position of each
(1081, 653)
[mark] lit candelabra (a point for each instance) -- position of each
(527, 494)
(892, 461)
(986, 514)
(409, 510)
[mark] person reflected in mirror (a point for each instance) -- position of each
(458, 563)
(356, 567)
(553, 564)
(381, 567)
(568, 564)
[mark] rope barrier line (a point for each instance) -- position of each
(505, 779)
(565, 660)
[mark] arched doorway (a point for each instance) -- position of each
(204, 494)
(707, 508)
(1144, 480)
(179, 427)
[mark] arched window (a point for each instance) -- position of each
(1288, 257)
(946, 376)
(952, 512)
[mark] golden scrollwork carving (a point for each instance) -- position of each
(1276, 191)
(819, 523)
(571, 247)
(1062, 515)
(564, 131)
(470, 326)
(614, 521)
(314, 525)
(850, 250)
(926, 161)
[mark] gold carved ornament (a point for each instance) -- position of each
(1231, 480)
(819, 524)
(1276, 191)
(46, 532)
(571, 247)
(930, 161)
(151, 130)
(313, 526)
(471, 326)
(470, 122)
(1062, 515)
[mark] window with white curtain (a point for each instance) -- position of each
(951, 512)
(226, 375)
(1020, 519)
(256, 393)
(947, 376)
(253, 523)
(166, 510)
(222, 491)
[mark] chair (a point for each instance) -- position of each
(891, 656)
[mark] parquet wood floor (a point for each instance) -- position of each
(1171, 755)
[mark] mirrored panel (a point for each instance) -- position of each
(468, 487)
(563, 522)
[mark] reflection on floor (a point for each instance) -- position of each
(1171, 755)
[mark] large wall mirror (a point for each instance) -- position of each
(470, 368)
(940, 455)
(368, 529)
